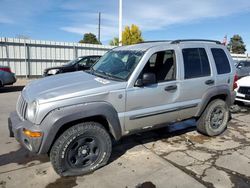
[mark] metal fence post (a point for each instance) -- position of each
(26, 59)
(75, 52)
(7, 52)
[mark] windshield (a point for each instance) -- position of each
(72, 62)
(118, 64)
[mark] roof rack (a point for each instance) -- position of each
(156, 41)
(194, 40)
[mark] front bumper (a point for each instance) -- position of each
(16, 127)
(243, 98)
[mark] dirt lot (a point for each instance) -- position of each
(176, 156)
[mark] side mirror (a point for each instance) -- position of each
(147, 79)
(239, 66)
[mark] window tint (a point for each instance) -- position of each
(163, 65)
(83, 62)
(221, 61)
(247, 63)
(92, 60)
(118, 64)
(196, 63)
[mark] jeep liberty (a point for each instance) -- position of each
(75, 117)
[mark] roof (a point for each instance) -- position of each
(149, 44)
(141, 46)
(89, 56)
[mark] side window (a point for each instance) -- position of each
(92, 60)
(163, 64)
(83, 62)
(247, 64)
(221, 61)
(196, 63)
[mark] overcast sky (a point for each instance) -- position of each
(67, 20)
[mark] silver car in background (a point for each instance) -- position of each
(243, 68)
(6, 76)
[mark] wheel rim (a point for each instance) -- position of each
(217, 117)
(83, 152)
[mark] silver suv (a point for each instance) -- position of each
(74, 117)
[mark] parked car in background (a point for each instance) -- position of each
(80, 63)
(243, 68)
(6, 76)
(243, 90)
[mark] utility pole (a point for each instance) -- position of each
(99, 27)
(120, 22)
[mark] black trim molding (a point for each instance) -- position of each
(139, 116)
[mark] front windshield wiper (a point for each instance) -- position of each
(105, 75)
(114, 77)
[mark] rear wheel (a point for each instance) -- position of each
(81, 149)
(214, 119)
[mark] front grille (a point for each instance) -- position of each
(244, 90)
(21, 107)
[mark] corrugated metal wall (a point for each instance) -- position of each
(239, 57)
(31, 57)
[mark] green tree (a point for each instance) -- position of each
(131, 35)
(114, 42)
(236, 45)
(89, 38)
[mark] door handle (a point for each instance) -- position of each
(209, 82)
(171, 88)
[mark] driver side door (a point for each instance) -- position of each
(154, 104)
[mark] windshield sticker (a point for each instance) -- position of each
(103, 81)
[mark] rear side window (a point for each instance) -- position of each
(244, 64)
(196, 63)
(221, 61)
(247, 63)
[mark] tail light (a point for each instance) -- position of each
(235, 82)
(5, 69)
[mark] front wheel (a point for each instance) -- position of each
(214, 119)
(81, 149)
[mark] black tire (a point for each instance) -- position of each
(81, 149)
(214, 119)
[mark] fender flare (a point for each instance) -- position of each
(216, 91)
(62, 116)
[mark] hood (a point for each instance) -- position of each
(245, 81)
(65, 66)
(64, 86)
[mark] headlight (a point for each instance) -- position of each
(31, 111)
(53, 71)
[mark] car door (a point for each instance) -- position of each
(247, 63)
(196, 78)
(242, 69)
(154, 104)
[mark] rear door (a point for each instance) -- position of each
(197, 78)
